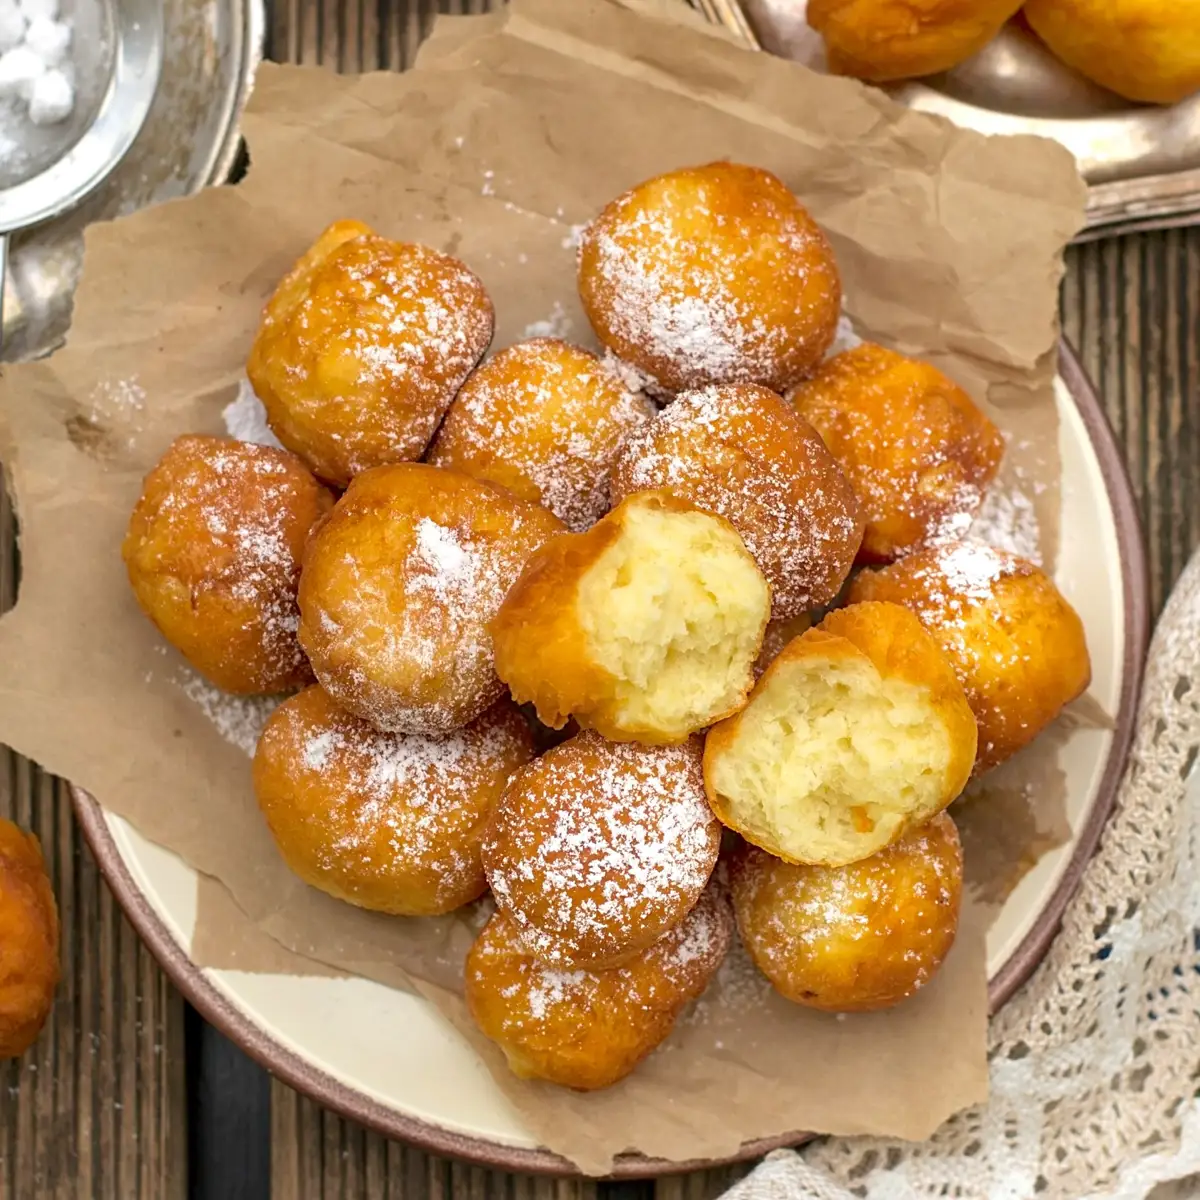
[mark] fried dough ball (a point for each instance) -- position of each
(388, 821)
(917, 451)
(213, 554)
(29, 966)
(853, 938)
(597, 848)
(588, 1029)
(1147, 50)
(1017, 646)
(712, 274)
(885, 40)
(777, 636)
(856, 733)
(739, 451)
(363, 346)
(544, 419)
(645, 628)
(399, 585)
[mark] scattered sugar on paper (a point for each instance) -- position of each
(846, 338)
(1007, 520)
(238, 719)
(557, 324)
(246, 419)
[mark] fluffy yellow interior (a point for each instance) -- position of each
(674, 611)
(830, 760)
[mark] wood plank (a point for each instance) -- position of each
(95, 1110)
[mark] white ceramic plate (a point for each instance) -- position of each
(429, 1087)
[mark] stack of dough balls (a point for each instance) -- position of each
(443, 540)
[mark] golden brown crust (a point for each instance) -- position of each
(541, 646)
(29, 963)
(884, 40)
(544, 419)
(853, 938)
(1018, 648)
(390, 822)
(363, 346)
(918, 453)
(740, 451)
(712, 274)
(398, 586)
(598, 848)
(588, 1029)
(899, 649)
(213, 553)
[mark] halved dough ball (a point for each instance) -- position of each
(739, 451)
(858, 937)
(546, 420)
(29, 964)
(597, 848)
(213, 554)
(588, 1029)
(857, 732)
(646, 627)
(916, 450)
(885, 40)
(363, 346)
(712, 274)
(388, 821)
(399, 585)
(1017, 646)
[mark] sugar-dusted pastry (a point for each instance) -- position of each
(740, 451)
(712, 274)
(362, 347)
(916, 450)
(857, 937)
(387, 821)
(588, 1029)
(398, 587)
(856, 733)
(646, 627)
(597, 848)
(545, 419)
(885, 40)
(1016, 644)
(213, 554)
(29, 964)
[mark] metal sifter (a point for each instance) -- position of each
(118, 52)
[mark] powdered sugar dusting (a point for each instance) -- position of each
(557, 324)
(598, 842)
(246, 419)
(238, 719)
(1008, 521)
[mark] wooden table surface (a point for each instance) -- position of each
(128, 1095)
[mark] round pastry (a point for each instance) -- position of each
(884, 40)
(739, 451)
(1147, 50)
(597, 848)
(853, 938)
(388, 821)
(646, 627)
(363, 346)
(918, 453)
(29, 967)
(399, 584)
(856, 733)
(213, 553)
(1017, 646)
(778, 635)
(544, 419)
(712, 274)
(588, 1029)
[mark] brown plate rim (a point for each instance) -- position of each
(343, 1099)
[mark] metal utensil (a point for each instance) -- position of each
(121, 61)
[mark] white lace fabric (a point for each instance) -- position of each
(1095, 1063)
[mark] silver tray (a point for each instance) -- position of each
(1142, 163)
(190, 139)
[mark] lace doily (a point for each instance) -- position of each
(1095, 1063)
